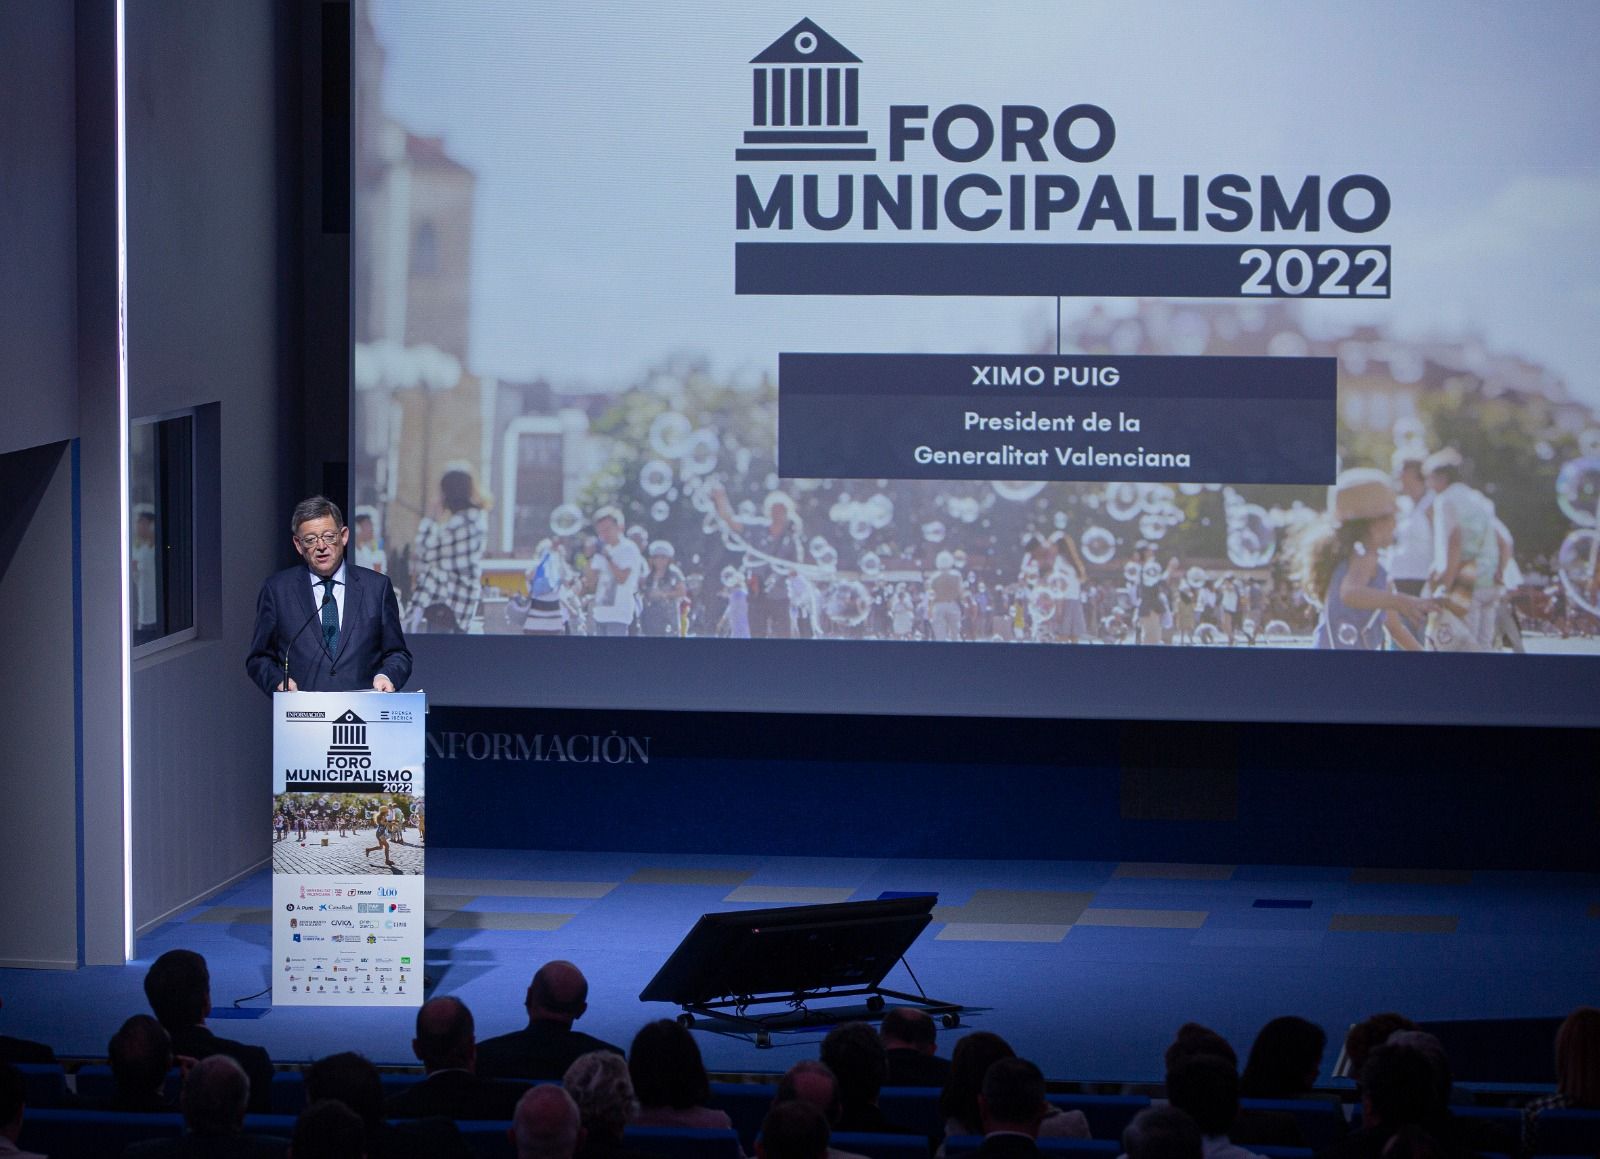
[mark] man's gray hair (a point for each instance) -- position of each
(601, 1086)
(546, 1123)
(215, 1095)
(316, 507)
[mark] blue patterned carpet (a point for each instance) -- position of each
(1086, 967)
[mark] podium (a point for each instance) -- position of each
(349, 836)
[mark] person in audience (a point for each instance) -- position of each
(793, 1130)
(1468, 1136)
(601, 1087)
(1206, 1088)
(1398, 1089)
(178, 988)
(1162, 1133)
(958, 1102)
(855, 1054)
(140, 1053)
(353, 1080)
(13, 1099)
(1285, 1060)
(810, 1081)
(216, 1094)
(911, 1041)
(669, 1079)
(328, 1130)
(546, 1124)
(22, 1050)
(1368, 1034)
(1012, 1105)
(447, 1047)
(1252, 1126)
(557, 997)
(1577, 1073)
(1193, 1039)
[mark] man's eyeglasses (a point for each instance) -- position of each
(326, 539)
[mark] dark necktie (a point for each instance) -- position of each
(330, 617)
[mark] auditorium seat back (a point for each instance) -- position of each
(1107, 1114)
(967, 1144)
(92, 1134)
(44, 1084)
(875, 1146)
(1321, 1121)
(1568, 1132)
(746, 1104)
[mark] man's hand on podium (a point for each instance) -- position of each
(287, 684)
(382, 683)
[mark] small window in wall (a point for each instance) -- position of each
(161, 538)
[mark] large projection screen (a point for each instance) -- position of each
(1217, 360)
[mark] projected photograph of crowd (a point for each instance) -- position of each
(348, 833)
(602, 493)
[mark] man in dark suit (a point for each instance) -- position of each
(446, 1044)
(910, 1039)
(178, 987)
(547, 1046)
(355, 642)
(1011, 1104)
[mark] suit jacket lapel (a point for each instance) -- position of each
(354, 593)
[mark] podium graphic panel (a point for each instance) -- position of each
(349, 831)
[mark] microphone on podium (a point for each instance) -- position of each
(316, 613)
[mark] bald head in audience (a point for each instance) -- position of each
(446, 1038)
(546, 1125)
(558, 993)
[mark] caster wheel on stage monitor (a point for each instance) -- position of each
(875, 1003)
(763, 1039)
(686, 1021)
(951, 1021)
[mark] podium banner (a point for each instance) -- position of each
(348, 844)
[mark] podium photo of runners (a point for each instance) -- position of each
(343, 833)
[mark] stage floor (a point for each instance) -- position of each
(1085, 967)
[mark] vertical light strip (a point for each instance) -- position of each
(124, 515)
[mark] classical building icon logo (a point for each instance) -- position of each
(349, 741)
(805, 90)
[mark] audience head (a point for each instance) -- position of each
(972, 1057)
(1162, 1133)
(352, 1080)
(1397, 1086)
(855, 1055)
(141, 1055)
(1430, 1048)
(1371, 1032)
(1578, 1056)
(446, 1038)
(810, 1081)
(907, 1028)
(546, 1124)
(178, 988)
(558, 993)
(599, 1084)
(328, 1129)
(1193, 1039)
(215, 1095)
(1284, 1059)
(666, 1068)
(1012, 1097)
(793, 1130)
(1206, 1088)
(12, 1092)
